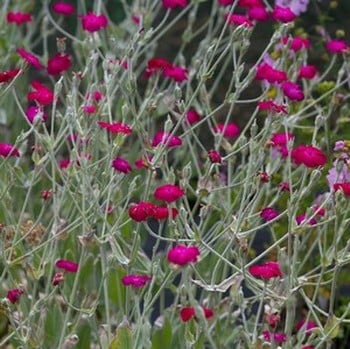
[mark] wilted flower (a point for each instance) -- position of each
(67, 265)
(136, 280)
(7, 76)
(57, 278)
(168, 192)
(272, 106)
(182, 255)
(279, 338)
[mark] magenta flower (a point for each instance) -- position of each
(188, 313)
(250, 3)
(168, 193)
(58, 64)
(297, 43)
(121, 165)
(14, 294)
(306, 326)
(34, 112)
(30, 58)
(280, 141)
(117, 127)
(297, 6)
(231, 130)
(272, 75)
(302, 219)
(309, 156)
(272, 106)
(67, 265)
(137, 281)
(293, 91)
(335, 176)
(279, 338)
(268, 213)
(258, 13)
(307, 72)
(283, 14)
(18, 17)
(238, 20)
(141, 211)
(337, 46)
(174, 3)
(192, 116)
(41, 94)
(167, 139)
(7, 76)
(176, 73)
(63, 8)
(214, 156)
(182, 255)
(345, 187)
(57, 279)
(93, 23)
(266, 271)
(156, 64)
(7, 150)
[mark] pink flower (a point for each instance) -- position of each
(338, 176)
(272, 106)
(280, 142)
(35, 112)
(121, 165)
(284, 186)
(279, 338)
(309, 156)
(268, 213)
(297, 43)
(307, 72)
(117, 127)
(272, 75)
(250, 3)
(266, 271)
(238, 20)
(258, 13)
(67, 265)
(345, 187)
(176, 73)
(167, 139)
(89, 109)
(188, 313)
(293, 91)
(306, 326)
(58, 64)
(63, 8)
(14, 294)
(7, 150)
(192, 116)
(168, 193)
(137, 281)
(41, 93)
(214, 156)
(302, 219)
(297, 6)
(18, 17)
(57, 278)
(65, 163)
(163, 212)
(337, 46)
(231, 130)
(30, 58)
(174, 3)
(7, 76)
(93, 23)
(283, 14)
(182, 255)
